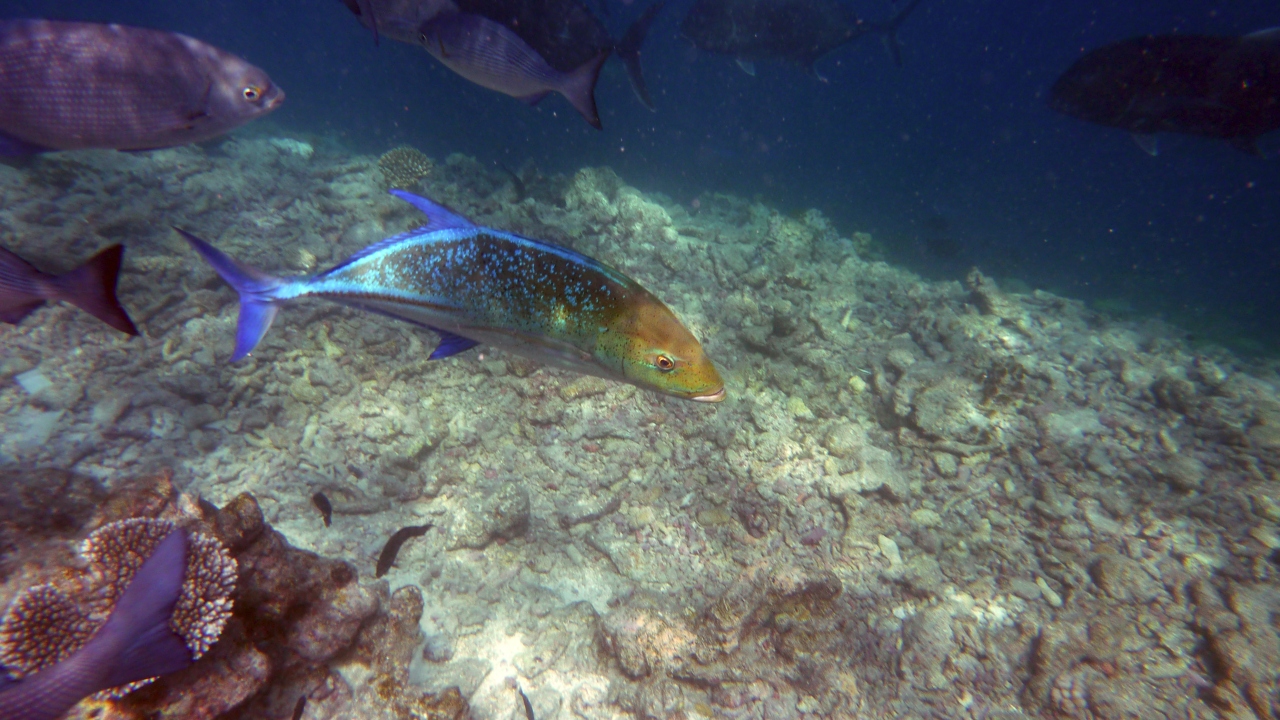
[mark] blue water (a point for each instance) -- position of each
(960, 137)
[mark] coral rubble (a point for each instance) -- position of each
(922, 499)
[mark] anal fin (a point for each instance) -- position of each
(450, 344)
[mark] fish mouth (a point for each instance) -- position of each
(716, 396)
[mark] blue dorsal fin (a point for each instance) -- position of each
(450, 344)
(371, 249)
(439, 217)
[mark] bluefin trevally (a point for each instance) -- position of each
(1212, 86)
(473, 284)
(72, 85)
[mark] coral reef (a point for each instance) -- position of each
(294, 615)
(921, 499)
(403, 167)
(47, 623)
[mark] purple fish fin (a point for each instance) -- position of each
(439, 217)
(258, 304)
(142, 616)
(628, 49)
(11, 146)
(15, 315)
(450, 344)
(579, 88)
(366, 9)
(535, 98)
(92, 288)
(20, 291)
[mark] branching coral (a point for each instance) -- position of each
(46, 623)
(42, 627)
(403, 167)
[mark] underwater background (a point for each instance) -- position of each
(959, 138)
(1000, 436)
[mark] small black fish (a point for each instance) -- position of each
(528, 706)
(392, 548)
(299, 707)
(800, 31)
(134, 643)
(70, 85)
(517, 183)
(321, 501)
(90, 287)
(1212, 86)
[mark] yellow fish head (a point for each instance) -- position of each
(655, 350)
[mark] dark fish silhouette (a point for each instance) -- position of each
(135, 643)
(90, 287)
(321, 501)
(800, 31)
(67, 86)
(1218, 87)
(491, 56)
(563, 33)
(528, 706)
(392, 548)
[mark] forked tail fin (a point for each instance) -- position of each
(628, 49)
(890, 30)
(92, 288)
(579, 88)
(258, 304)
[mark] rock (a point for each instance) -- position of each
(502, 514)
(843, 440)
(1183, 472)
(927, 640)
(1124, 579)
(106, 411)
(438, 648)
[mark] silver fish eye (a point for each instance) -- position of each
(251, 93)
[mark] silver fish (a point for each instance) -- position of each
(491, 56)
(70, 85)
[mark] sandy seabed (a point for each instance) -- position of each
(919, 499)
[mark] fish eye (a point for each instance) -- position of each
(252, 93)
(422, 38)
(665, 363)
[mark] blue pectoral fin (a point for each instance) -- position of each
(255, 320)
(450, 344)
(159, 651)
(439, 217)
(258, 305)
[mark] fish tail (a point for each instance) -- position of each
(579, 88)
(20, 291)
(628, 49)
(135, 643)
(92, 288)
(258, 303)
(142, 616)
(890, 30)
